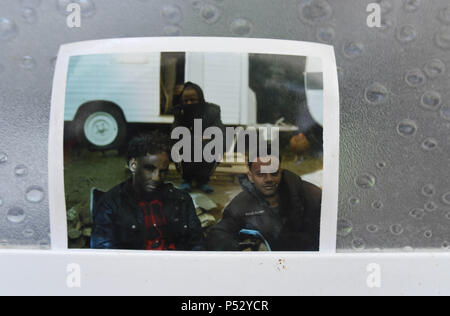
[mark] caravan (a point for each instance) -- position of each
(106, 92)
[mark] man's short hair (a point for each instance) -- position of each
(149, 143)
(255, 154)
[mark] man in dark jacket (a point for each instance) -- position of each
(144, 213)
(284, 209)
(193, 106)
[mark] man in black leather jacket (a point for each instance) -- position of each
(144, 213)
(284, 209)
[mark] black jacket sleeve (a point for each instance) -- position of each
(194, 240)
(313, 208)
(224, 236)
(103, 232)
(214, 118)
(302, 231)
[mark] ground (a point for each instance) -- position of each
(86, 169)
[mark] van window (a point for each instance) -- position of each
(173, 65)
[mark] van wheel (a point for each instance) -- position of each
(101, 126)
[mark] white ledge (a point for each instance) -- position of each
(37, 272)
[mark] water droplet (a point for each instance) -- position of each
(87, 7)
(340, 72)
(407, 128)
(430, 206)
(171, 13)
(31, 3)
(353, 201)
(397, 229)
(445, 112)
(172, 30)
(326, 34)
(415, 78)
(428, 234)
(429, 144)
(16, 215)
(197, 5)
(8, 29)
(365, 181)
(21, 171)
(386, 24)
(373, 229)
(442, 38)
(406, 34)
(445, 245)
(210, 13)
(27, 62)
(44, 244)
(446, 198)
(3, 158)
(344, 228)
(61, 5)
(377, 205)
(428, 190)
(447, 216)
(411, 5)
(241, 27)
(353, 50)
(385, 5)
(34, 194)
(376, 93)
(431, 100)
(315, 11)
(53, 62)
(28, 233)
(417, 213)
(358, 244)
(435, 68)
(444, 15)
(30, 15)
(381, 165)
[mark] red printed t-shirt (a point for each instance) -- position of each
(156, 226)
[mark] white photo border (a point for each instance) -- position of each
(331, 109)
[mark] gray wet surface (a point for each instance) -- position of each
(394, 191)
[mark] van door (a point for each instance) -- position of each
(224, 78)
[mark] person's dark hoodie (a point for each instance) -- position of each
(208, 112)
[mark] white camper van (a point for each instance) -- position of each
(106, 92)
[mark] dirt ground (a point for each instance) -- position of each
(86, 169)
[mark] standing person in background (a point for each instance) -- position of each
(193, 106)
